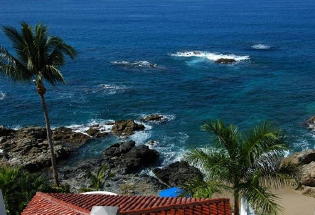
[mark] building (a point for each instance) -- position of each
(80, 204)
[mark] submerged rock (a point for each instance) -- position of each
(126, 127)
(225, 60)
(310, 123)
(177, 174)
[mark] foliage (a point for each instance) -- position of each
(18, 188)
(38, 57)
(246, 163)
(98, 179)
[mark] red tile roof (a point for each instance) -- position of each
(79, 204)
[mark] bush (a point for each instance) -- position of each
(19, 187)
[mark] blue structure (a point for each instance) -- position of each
(171, 192)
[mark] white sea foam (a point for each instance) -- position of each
(105, 126)
(261, 46)
(135, 64)
(2, 95)
(209, 55)
(111, 89)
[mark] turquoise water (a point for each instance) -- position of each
(276, 82)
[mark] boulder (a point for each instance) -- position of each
(119, 148)
(307, 175)
(299, 158)
(177, 174)
(126, 127)
(139, 157)
(153, 117)
(96, 132)
(129, 158)
(69, 137)
(225, 60)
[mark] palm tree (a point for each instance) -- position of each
(38, 58)
(245, 164)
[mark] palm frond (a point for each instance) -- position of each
(227, 136)
(263, 140)
(260, 199)
(12, 67)
(214, 163)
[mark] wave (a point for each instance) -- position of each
(105, 126)
(2, 95)
(261, 46)
(135, 64)
(210, 55)
(111, 89)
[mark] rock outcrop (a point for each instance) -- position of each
(153, 117)
(126, 127)
(225, 61)
(177, 174)
(29, 149)
(304, 163)
(130, 158)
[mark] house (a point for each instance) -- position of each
(80, 204)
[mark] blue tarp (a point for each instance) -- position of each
(171, 192)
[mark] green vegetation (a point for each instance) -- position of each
(38, 58)
(98, 180)
(246, 164)
(19, 187)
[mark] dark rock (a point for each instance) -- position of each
(177, 174)
(139, 157)
(6, 131)
(28, 147)
(69, 137)
(130, 158)
(153, 117)
(119, 148)
(225, 61)
(96, 132)
(92, 131)
(126, 127)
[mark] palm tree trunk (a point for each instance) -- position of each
(49, 138)
(236, 202)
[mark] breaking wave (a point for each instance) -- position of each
(2, 95)
(261, 46)
(209, 55)
(135, 64)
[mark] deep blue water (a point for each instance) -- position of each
(277, 84)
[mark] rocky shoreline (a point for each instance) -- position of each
(134, 168)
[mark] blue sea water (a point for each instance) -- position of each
(276, 83)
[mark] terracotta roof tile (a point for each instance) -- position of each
(78, 204)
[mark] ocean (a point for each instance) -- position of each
(139, 57)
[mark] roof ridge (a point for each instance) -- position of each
(177, 206)
(65, 204)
